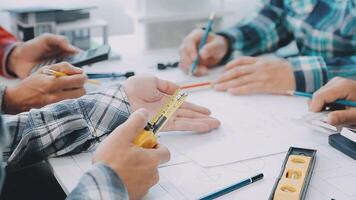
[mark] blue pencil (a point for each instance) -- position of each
(233, 187)
(203, 42)
(309, 95)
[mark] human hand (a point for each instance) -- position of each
(151, 93)
(256, 75)
(337, 88)
(210, 55)
(136, 166)
(40, 89)
(28, 54)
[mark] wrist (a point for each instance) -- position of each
(227, 41)
(9, 105)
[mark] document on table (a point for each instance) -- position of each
(317, 121)
(252, 126)
(333, 177)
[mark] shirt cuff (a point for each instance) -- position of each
(310, 72)
(100, 182)
(230, 50)
(5, 62)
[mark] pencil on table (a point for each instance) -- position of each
(195, 85)
(59, 74)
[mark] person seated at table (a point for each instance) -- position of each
(337, 88)
(324, 32)
(120, 169)
(17, 60)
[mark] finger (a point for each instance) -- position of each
(192, 43)
(237, 82)
(240, 61)
(187, 113)
(69, 82)
(236, 72)
(162, 153)
(326, 94)
(342, 117)
(65, 68)
(133, 126)
(195, 108)
(201, 70)
(166, 87)
(209, 50)
(185, 62)
(196, 125)
(65, 94)
(256, 87)
(61, 43)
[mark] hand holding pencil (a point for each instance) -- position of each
(40, 89)
(338, 90)
(202, 49)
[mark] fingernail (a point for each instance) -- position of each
(219, 87)
(78, 70)
(331, 120)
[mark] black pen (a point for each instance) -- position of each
(233, 187)
(109, 75)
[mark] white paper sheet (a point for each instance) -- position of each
(191, 181)
(317, 121)
(252, 126)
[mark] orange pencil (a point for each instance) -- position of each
(195, 85)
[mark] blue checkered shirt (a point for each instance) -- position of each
(324, 31)
(69, 127)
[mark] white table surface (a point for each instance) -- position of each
(334, 175)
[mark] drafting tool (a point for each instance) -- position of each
(195, 85)
(203, 41)
(345, 141)
(309, 95)
(148, 139)
(297, 169)
(110, 75)
(59, 74)
(80, 59)
(233, 187)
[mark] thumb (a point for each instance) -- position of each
(134, 125)
(66, 68)
(342, 117)
(208, 50)
(61, 42)
(166, 87)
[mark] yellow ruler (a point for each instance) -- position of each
(148, 138)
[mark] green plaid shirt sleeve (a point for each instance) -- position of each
(262, 33)
(67, 127)
(324, 31)
(99, 183)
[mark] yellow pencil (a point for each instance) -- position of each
(59, 74)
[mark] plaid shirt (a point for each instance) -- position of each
(324, 31)
(7, 43)
(69, 127)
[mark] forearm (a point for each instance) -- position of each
(101, 182)
(263, 33)
(66, 127)
(312, 72)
